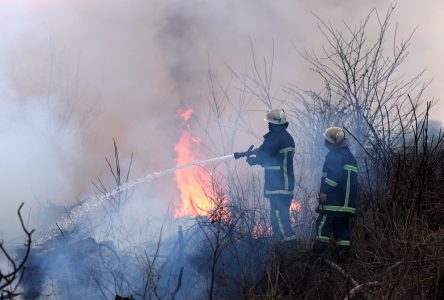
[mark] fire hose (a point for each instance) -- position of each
(75, 214)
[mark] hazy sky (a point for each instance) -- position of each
(76, 73)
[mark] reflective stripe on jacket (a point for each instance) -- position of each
(339, 182)
(276, 156)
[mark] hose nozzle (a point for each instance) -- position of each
(247, 153)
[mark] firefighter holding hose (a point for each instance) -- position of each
(275, 155)
(338, 193)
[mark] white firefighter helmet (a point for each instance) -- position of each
(334, 135)
(276, 116)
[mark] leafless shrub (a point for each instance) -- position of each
(115, 229)
(11, 278)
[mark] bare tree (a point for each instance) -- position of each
(363, 84)
(10, 279)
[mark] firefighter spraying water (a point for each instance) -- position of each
(275, 155)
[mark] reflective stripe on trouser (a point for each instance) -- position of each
(280, 216)
(327, 225)
(281, 228)
(345, 243)
(323, 232)
(284, 234)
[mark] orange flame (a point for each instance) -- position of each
(295, 206)
(186, 114)
(261, 230)
(194, 201)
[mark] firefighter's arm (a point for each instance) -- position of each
(265, 152)
(331, 177)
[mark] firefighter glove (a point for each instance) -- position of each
(247, 153)
(252, 160)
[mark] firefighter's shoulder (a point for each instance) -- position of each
(333, 155)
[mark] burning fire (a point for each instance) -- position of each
(194, 201)
(295, 206)
(261, 230)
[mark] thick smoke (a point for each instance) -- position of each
(76, 73)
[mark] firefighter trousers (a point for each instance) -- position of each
(280, 217)
(336, 226)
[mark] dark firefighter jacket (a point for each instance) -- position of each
(339, 182)
(276, 156)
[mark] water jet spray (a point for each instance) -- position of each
(75, 214)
